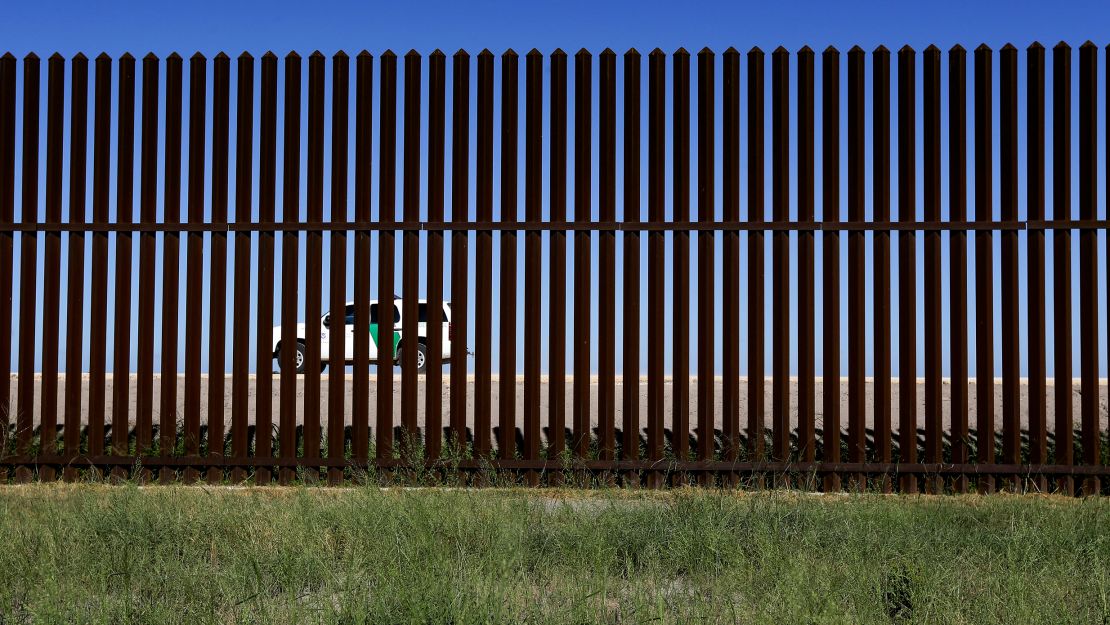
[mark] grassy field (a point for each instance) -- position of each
(99, 554)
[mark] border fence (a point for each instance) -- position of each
(756, 447)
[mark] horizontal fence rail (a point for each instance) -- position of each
(240, 254)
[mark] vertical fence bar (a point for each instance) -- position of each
(556, 341)
(756, 358)
(932, 271)
(630, 214)
(148, 240)
(984, 268)
(557, 265)
(483, 287)
(387, 215)
(1008, 196)
(314, 265)
(830, 263)
(657, 64)
(857, 339)
(1034, 160)
(706, 256)
(244, 182)
(506, 383)
(583, 128)
(680, 306)
(1088, 260)
(75, 287)
(433, 382)
(880, 120)
(957, 244)
(1061, 262)
(28, 268)
(98, 286)
(171, 264)
(360, 386)
(780, 275)
(7, 217)
(907, 264)
(55, 121)
(194, 279)
(410, 250)
(533, 196)
(806, 376)
(217, 317)
(125, 178)
(460, 215)
(337, 345)
(607, 279)
(730, 293)
(290, 270)
(267, 181)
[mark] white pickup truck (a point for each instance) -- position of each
(331, 323)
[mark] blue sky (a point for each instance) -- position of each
(71, 27)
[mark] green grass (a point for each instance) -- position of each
(99, 554)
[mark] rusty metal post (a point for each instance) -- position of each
(387, 216)
(75, 287)
(533, 195)
(337, 346)
(756, 214)
(984, 267)
(410, 250)
(557, 264)
(1008, 196)
(857, 339)
(957, 244)
(125, 178)
(706, 257)
(7, 217)
(55, 120)
(217, 318)
(98, 286)
(1034, 194)
(267, 181)
(506, 384)
(290, 269)
(433, 381)
(1088, 261)
(830, 263)
(1061, 263)
(148, 240)
(907, 265)
(880, 120)
(680, 267)
(657, 64)
(730, 293)
(171, 264)
(240, 331)
(314, 211)
(631, 213)
(583, 260)
(360, 386)
(194, 280)
(932, 272)
(483, 263)
(780, 275)
(806, 376)
(28, 266)
(606, 279)
(460, 215)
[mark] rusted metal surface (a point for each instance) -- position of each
(830, 278)
(907, 265)
(811, 459)
(1088, 262)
